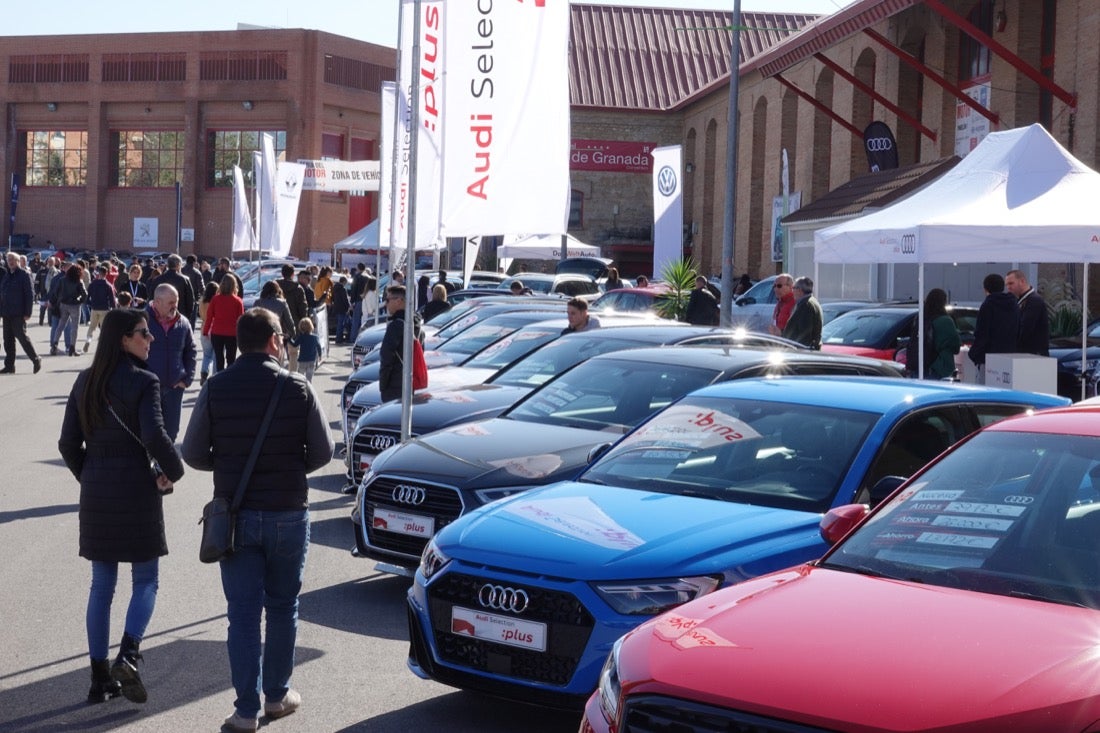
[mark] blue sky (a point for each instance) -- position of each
(367, 20)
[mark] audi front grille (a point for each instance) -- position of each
(568, 628)
(659, 714)
(352, 416)
(368, 442)
(441, 504)
(350, 388)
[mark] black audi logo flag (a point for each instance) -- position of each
(882, 149)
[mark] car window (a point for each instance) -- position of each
(913, 442)
(1009, 513)
(989, 414)
(476, 337)
(512, 347)
(761, 292)
(743, 451)
(860, 328)
(609, 395)
(554, 358)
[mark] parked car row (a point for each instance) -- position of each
(574, 510)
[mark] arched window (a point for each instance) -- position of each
(973, 56)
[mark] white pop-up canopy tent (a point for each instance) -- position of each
(544, 247)
(1019, 196)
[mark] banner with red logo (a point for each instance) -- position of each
(428, 70)
(506, 137)
(611, 156)
(387, 171)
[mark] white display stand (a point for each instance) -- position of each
(1026, 372)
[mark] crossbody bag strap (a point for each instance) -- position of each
(255, 454)
(111, 409)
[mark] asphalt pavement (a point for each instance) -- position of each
(352, 640)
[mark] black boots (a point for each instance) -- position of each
(125, 671)
(103, 686)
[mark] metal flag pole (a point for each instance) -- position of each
(410, 252)
(729, 218)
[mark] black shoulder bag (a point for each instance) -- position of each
(219, 517)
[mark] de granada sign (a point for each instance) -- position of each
(612, 156)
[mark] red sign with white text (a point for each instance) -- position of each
(613, 156)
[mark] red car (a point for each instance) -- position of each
(969, 602)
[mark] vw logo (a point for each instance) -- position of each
(405, 494)
(666, 181)
(379, 443)
(502, 598)
(879, 144)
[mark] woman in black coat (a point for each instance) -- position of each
(111, 431)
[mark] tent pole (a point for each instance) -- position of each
(1084, 323)
(920, 320)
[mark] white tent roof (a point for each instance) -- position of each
(365, 238)
(543, 247)
(1019, 196)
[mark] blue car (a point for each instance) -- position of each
(525, 596)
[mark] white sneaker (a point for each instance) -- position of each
(290, 702)
(240, 724)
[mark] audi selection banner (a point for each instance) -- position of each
(668, 207)
(387, 172)
(506, 131)
(426, 71)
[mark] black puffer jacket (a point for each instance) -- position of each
(121, 515)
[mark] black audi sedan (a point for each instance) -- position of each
(471, 391)
(413, 490)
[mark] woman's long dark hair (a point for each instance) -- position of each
(935, 304)
(92, 406)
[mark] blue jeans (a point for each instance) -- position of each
(356, 319)
(343, 327)
(143, 597)
(171, 407)
(70, 317)
(207, 355)
(264, 574)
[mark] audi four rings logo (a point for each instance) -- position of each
(405, 494)
(909, 244)
(666, 181)
(1016, 499)
(502, 598)
(379, 443)
(879, 144)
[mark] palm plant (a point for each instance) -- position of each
(679, 275)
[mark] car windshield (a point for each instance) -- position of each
(862, 328)
(609, 395)
(770, 454)
(543, 364)
(512, 347)
(475, 338)
(459, 310)
(1009, 513)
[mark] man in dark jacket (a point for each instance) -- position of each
(804, 325)
(295, 298)
(172, 353)
(702, 307)
(998, 324)
(191, 272)
(101, 299)
(390, 372)
(1034, 335)
(172, 276)
(264, 573)
(341, 308)
(16, 306)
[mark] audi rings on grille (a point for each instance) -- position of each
(379, 443)
(503, 598)
(405, 494)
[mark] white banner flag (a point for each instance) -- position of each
(244, 238)
(668, 207)
(387, 172)
(429, 153)
(506, 133)
(288, 192)
(333, 176)
(265, 181)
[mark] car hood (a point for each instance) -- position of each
(868, 351)
(591, 532)
(857, 653)
(440, 377)
(437, 408)
(505, 453)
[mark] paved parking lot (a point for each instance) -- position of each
(353, 636)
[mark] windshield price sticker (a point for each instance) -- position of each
(958, 540)
(401, 523)
(691, 426)
(499, 629)
(974, 507)
(937, 495)
(978, 523)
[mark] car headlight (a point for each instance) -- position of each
(1075, 365)
(487, 495)
(432, 560)
(648, 598)
(610, 687)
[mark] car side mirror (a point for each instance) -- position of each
(838, 522)
(598, 451)
(883, 488)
